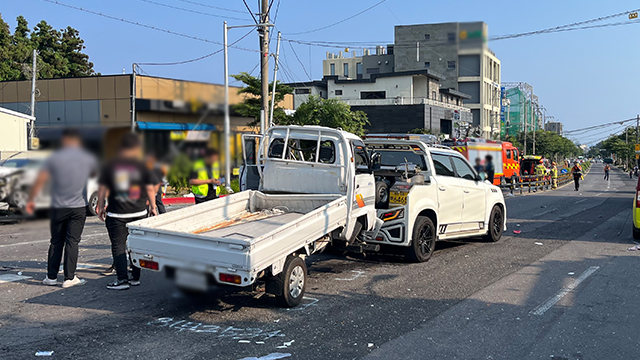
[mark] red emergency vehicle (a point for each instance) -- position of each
(505, 156)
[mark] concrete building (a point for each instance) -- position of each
(459, 52)
(395, 101)
(554, 126)
(14, 134)
(166, 111)
(359, 67)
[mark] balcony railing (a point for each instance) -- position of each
(404, 101)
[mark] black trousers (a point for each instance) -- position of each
(576, 180)
(66, 228)
(200, 200)
(118, 232)
(606, 175)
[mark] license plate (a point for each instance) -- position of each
(191, 280)
(398, 197)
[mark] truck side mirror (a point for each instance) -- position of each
(375, 161)
(481, 177)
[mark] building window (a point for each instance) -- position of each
(373, 95)
(451, 65)
(373, 70)
(451, 37)
(346, 69)
(333, 69)
(338, 92)
(427, 64)
(359, 70)
(433, 95)
(303, 91)
(427, 36)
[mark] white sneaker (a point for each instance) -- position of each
(75, 281)
(50, 282)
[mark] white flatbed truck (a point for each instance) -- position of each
(316, 186)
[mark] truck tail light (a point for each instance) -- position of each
(228, 278)
(147, 264)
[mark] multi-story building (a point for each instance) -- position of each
(459, 51)
(554, 126)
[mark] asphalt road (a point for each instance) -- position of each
(562, 288)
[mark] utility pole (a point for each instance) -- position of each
(263, 31)
(525, 126)
(626, 141)
(32, 123)
(275, 76)
(133, 98)
(637, 129)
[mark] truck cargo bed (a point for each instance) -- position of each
(252, 228)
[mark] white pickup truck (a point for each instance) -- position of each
(316, 186)
(426, 193)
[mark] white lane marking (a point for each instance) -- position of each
(542, 308)
(40, 241)
(357, 274)
(304, 306)
(544, 213)
(579, 201)
(12, 277)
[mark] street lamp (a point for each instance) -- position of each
(227, 120)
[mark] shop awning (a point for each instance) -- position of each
(146, 125)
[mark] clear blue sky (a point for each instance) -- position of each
(583, 77)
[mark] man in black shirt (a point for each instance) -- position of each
(152, 164)
(489, 168)
(128, 184)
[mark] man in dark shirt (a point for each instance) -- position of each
(489, 168)
(128, 185)
(152, 164)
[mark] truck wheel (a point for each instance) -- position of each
(423, 241)
(294, 281)
(636, 233)
(382, 195)
(496, 225)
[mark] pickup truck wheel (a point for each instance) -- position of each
(92, 207)
(496, 223)
(423, 241)
(382, 195)
(294, 280)
(636, 233)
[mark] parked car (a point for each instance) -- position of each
(18, 174)
(426, 193)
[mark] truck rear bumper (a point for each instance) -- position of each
(219, 275)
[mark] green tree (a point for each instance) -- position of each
(252, 104)
(331, 113)
(420, 131)
(60, 51)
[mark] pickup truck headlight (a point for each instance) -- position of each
(392, 215)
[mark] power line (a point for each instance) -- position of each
(142, 25)
(277, 10)
(339, 22)
(301, 64)
(198, 58)
(211, 6)
(191, 11)
(249, 10)
(620, 122)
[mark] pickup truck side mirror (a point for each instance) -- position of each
(481, 177)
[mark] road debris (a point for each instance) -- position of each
(517, 231)
(538, 243)
(272, 356)
(44, 353)
(370, 345)
(572, 273)
(634, 248)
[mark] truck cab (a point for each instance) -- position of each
(429, 192)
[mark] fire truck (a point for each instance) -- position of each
(505, 156)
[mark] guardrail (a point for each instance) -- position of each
(531, 184)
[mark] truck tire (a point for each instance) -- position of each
(382, 195)
(423, 241)
(294, 282)
(636, 233)
(496, 225)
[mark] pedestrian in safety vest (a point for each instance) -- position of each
(554, 175)
(205, 177)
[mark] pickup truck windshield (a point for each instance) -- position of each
(397, 157)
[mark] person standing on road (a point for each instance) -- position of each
(554, 175)
(606, 172)
(576, 170)
(478, 166)
(205, 177)
(128, 185)
(69, 170)
(489, 168)
(152, 164)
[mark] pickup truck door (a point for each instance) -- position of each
(364, 190)
(249, 173)
(450, 196)
(474, 205)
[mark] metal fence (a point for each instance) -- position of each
(534, 184)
